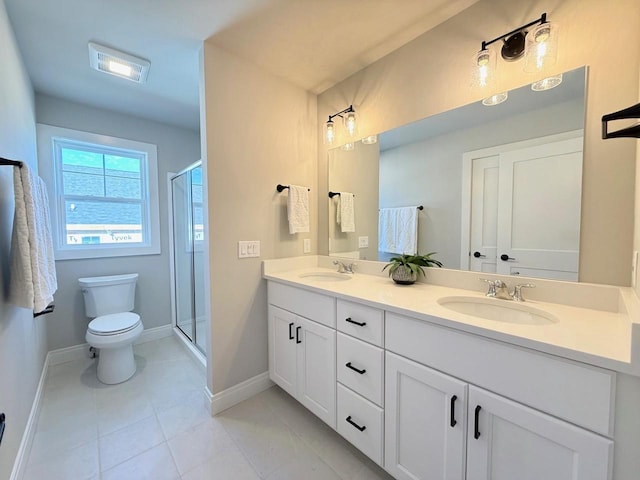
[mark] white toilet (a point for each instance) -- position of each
(114, 328)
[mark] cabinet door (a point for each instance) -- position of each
(282, 348)
(317, 369)
(507, 440)
(425, 422)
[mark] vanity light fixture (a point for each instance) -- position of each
(120, 64)
(350, 122)
(370, 140)
(539, 47)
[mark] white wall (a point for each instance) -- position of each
(177, 148)
(260, 131)
(22, 337)
(431, 75)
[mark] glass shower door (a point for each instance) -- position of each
(188, 260)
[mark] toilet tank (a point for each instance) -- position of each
(106, 295)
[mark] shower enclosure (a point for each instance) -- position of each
(187, 220)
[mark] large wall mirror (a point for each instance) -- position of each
(495, 189)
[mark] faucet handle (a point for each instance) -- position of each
(517, 293)
(492, 287)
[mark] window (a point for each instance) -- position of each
(103, 193)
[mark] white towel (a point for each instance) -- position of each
(345, 213)
(33, 272)
(398, 230)
(298, 209)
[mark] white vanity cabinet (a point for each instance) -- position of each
(429, 435)
(302, 352)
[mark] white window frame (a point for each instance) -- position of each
(49, 137)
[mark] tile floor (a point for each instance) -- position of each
(155, 426)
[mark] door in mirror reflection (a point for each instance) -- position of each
(525, 208)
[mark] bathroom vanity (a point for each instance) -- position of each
(503, 390)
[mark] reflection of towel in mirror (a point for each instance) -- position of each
(298, 209)
(33, 271)
(398, 230)
(345, 213)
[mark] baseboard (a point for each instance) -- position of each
(20, 463)
(77, 352)
(238, 393)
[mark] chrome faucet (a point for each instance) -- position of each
(344, 268)
(499, 289)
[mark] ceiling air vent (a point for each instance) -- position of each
(120, 64)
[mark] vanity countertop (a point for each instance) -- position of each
(608, 339)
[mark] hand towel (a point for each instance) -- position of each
(398, 230)
(33, 272)
(345, 215)
(298, 209)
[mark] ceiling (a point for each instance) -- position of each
(311, 43)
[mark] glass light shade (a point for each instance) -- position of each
(329, 135)
(496, 99)
(350, 124)
(547, 83)
(347, 147)
(370, 140)
(541, 50)
(484, 67)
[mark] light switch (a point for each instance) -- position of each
(306, 245)
(363, 242)
(248, 248)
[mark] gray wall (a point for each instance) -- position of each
(177, 148)
(22, 337)
(260, 131)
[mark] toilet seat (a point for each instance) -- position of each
(114, 324)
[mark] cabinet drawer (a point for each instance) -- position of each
(361, 321)
(576, 392)
(366, 429)
(361, 357)
(311, 305)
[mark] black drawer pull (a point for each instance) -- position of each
(453, 411)
(354, 322)
(290, 331)
(361, 428)
(476, 429)
(298, 335)
(361, 372)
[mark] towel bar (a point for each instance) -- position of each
(280, 188)
(333, 194)
(6, 161)
(48, 309)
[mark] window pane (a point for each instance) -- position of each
(74, 160)
(102, 222)
(122, 166)
(119, 187)
(83, 184)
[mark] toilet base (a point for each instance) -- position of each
(116, 365)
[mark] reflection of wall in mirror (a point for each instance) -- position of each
(355, 171)
(430, 171)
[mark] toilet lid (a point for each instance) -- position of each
(114, 323)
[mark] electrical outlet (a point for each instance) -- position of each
(363, 242)
(248, 248)
(306, 245)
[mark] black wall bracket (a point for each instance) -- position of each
(2, 423)
(632, 112)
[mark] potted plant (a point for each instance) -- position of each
(405, 269)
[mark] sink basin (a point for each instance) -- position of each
(325, 276)
(498, 310)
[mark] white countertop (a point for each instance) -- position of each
(608, 339)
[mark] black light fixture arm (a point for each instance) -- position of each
(339, 114)
(541, 20)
